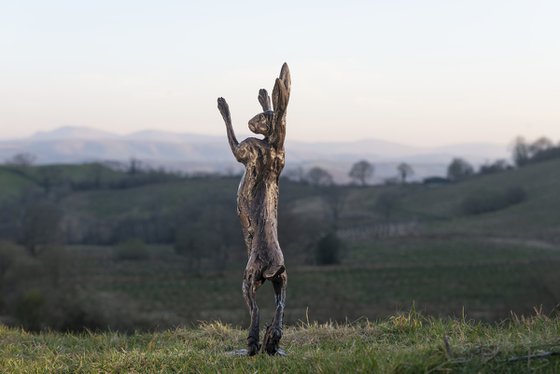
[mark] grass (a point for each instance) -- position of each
(13, 184)
(535, 217)
(485, 266)
(405, 343)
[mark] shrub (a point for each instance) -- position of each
(497, 166)
(459, 170)
(9, 253)
(546, 154)
(387, 202)
(327, 251)
(515, 195)
(488, 201)
(435, 180)
(133, 249)
(29, 310)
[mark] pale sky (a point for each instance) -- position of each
(415, 72)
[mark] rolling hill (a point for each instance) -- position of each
(427, 251)
(195, 152)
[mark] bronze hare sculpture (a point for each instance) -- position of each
(257, 206)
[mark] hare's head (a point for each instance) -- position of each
(262, 122)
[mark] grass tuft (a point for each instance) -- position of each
(404, 343)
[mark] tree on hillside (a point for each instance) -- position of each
(540, 145)
(207, 233)
(317, 176)
(41, 227)
(541, 149)
(96, 172)
(22, 159)
(386, 203)
(405, 171)
(520, 151)
(48, 177)
(333, 196)
(296, 174)
(361, 172)
(459, 169)
(494, 167)
(135, 166)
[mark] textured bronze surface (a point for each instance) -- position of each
(257, 205)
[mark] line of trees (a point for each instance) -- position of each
(542, 149)
(360, 174)
(523, 153)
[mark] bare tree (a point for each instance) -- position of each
(361, 172)
(335, 197)
(494, 167)
(22, 159)
(135, 166)
(540, 150)
(317, 176)
(41, 227)
(48, 177)
(296, 174)
(539, 145)
(405, 171)
(459, 169)
(520, 151)
(386, 203)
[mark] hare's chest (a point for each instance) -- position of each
(274, 160)
(265, 159)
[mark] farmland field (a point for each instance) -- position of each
(188, 260)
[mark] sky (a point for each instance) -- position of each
(421, 73)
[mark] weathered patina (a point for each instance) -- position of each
(257, 206)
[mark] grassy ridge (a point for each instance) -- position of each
(405, 343)
(438, 205)
(536, 217)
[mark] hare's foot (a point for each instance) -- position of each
(272, 339)
(253, 346)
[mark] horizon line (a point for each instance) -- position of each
(247, 134)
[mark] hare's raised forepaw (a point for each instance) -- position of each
(223, 107)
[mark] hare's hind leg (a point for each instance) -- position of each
(274, 330)
(250, 286)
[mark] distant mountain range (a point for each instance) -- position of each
(207, 153)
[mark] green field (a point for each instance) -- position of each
(427, 252)
(484, 279)
(405, 343)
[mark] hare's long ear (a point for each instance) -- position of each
(281, 91)
(264, 100)
(286, 78)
